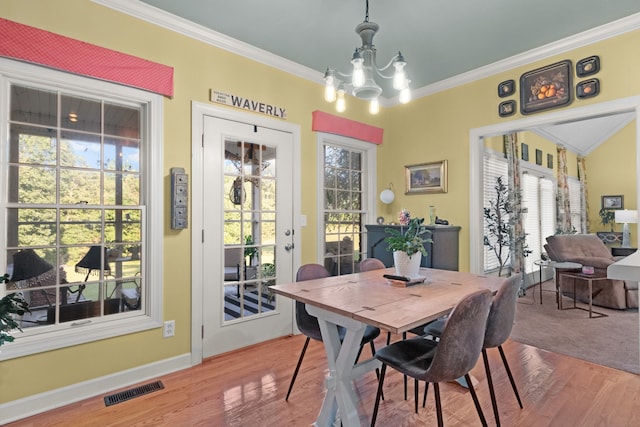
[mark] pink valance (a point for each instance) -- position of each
(325, 122)
(30, 44)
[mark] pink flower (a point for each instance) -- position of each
(404, 217)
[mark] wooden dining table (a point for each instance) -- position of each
(367, 298)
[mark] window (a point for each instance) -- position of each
(77, 186)
(538, 198)
(346, 200)
(495, 166)
(575, 204)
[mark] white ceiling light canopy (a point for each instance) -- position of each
(365, 69)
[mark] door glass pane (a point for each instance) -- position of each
(249, 229)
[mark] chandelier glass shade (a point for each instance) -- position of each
(364, 72)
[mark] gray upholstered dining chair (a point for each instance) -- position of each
(452, 357)
(369, 264)
(499, 326)
(308, 324)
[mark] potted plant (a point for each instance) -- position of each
(607, 217)
(407, 245)
(250, 251)
(10, 305)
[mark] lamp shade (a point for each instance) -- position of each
(92, 261)
(387, 196)
(626, 216)
(29, 269)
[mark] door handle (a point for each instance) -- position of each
(288, 247)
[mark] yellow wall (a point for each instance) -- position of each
(197, 69)
(428, 129)
(610, 171)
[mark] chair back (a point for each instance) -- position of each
(461, 341)
(371, 264)
(307, 323)
(502, 313)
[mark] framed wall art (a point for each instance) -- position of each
(588, 88)
(588, 66)
(546, 87)
(525, 151)
(538, 157)
(506, 88)
(426, 178)
(507, 108)
(613, 202)
(550, 161)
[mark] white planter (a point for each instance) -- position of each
(407, 266)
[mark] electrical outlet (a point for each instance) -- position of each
(169, 329)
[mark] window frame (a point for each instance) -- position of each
(369, 161)
(151, 163)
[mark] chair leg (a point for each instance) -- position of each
(475, 400)
(295, 373)
(415, 393)
(426, 389)
(378, 394)
(506, 367)
(404, 337)
(436, 392)
(373, 353)
(492, 392)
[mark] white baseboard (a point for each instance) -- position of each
(36, 404)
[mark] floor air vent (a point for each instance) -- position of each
(133, 392)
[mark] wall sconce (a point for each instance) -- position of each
(625, 217)
(387, 196)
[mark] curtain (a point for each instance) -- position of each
(518, 242)
(563, 211)
(582, 176)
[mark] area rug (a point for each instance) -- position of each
(233, 308)
(611, 341)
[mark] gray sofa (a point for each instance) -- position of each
(589, 250)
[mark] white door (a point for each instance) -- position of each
(248, 233)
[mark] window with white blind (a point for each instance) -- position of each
(495, 165)
(575, 203)
(538, 201)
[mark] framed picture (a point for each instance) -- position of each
(588, 66)
(546, 87)
(538, 157)
(507, 108)
(525, 151)
(588, 88)
(550, 161)
(506, 88)
(426, 178)
(612, 202)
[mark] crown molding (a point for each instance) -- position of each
(187, 28)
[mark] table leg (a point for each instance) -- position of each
(341, 399)
(540, 284)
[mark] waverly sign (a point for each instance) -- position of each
(247, 104)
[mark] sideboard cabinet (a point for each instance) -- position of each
(442, 253)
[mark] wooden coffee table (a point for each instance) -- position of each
(589, 278)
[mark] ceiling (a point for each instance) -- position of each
(440, 40)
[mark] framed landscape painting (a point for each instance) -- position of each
(426, 178)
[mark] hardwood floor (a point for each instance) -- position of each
(247, 388)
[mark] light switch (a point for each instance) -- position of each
(179, 198)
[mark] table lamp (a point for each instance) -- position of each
(91, 262)
(30, 270)
(625, 217)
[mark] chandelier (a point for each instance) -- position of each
(363, 84)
